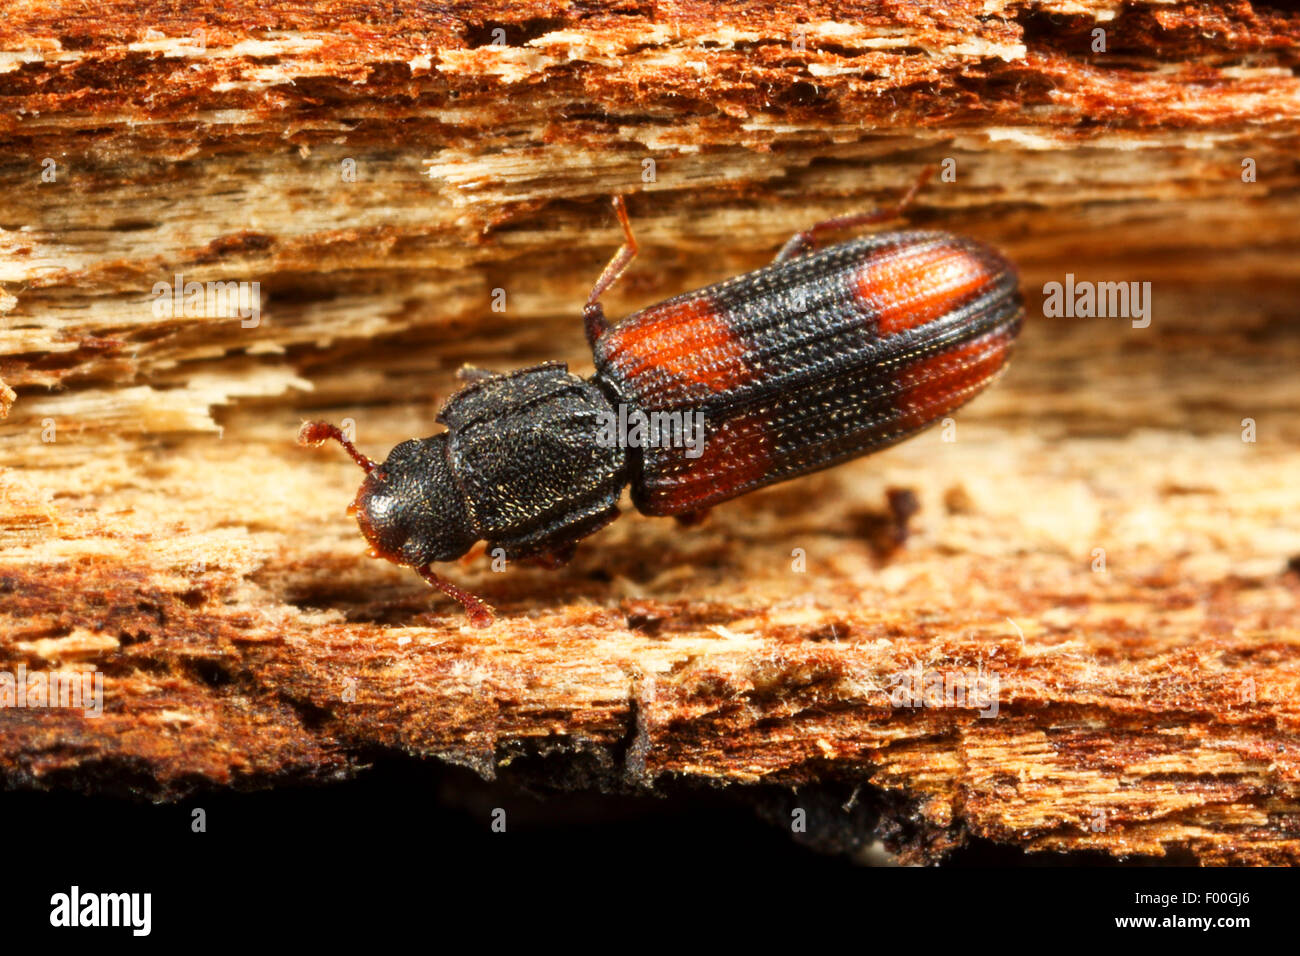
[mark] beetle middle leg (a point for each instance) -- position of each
(806, 241)
(593, 315)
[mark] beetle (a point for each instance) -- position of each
(820, 357)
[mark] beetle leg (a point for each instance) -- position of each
(802, 242)
(480, 615)
(593, 315)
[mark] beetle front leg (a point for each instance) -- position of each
(806, 241)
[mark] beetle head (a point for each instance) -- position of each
(409, 508)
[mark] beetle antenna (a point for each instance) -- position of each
(478, 612)
(317, 433)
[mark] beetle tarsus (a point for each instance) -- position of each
(479, 614)
(317, 433)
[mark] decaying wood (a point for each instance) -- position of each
(159, 524)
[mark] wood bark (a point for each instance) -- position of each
(1113, 535)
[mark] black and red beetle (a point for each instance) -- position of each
(818, 358)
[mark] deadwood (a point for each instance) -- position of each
(1098, 539)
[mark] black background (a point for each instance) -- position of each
(408, 847)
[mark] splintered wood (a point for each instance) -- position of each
(1086, 637)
